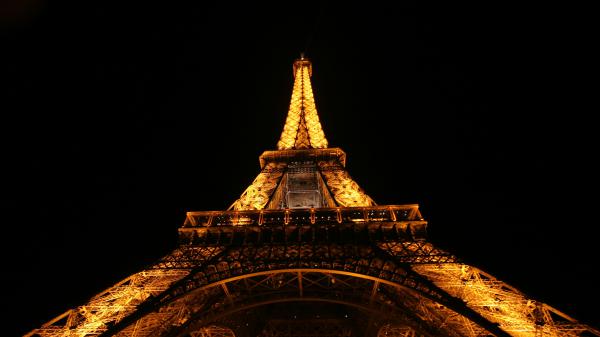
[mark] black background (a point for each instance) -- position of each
(116, 119)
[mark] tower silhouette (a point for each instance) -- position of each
(305, 251)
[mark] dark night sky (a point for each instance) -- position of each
(119, 118)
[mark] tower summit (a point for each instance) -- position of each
(304, 251)
(302, 128)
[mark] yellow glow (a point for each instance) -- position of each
(111, 305)
(302, 127)
(497, 301)
(120, 300)
(256, 196)
(346, 191)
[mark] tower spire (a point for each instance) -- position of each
(302, 129)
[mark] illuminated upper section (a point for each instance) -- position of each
(302, 129)
(303, 172)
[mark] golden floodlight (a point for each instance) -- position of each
(302, 129)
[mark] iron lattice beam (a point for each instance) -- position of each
(363, 261)
(266, 289)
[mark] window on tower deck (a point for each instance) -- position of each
(302, 188)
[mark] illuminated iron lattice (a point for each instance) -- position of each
(346, 191)
(499, 302)
(338, 249)
(258, 193)
(302, 127)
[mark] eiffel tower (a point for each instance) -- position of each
(305, 251)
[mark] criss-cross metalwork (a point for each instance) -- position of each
(304, 251)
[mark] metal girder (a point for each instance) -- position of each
(322, 215)
(111, 305)
(416, 252)
(430, 290)
(397, 227)
(360, 261)
(257, 194)
(501, 303)
(356, 259)
(286, 156)
(411, 251)
(390, 303)
(280, 287)
(188, 257)
(165, 306)
(345, 190)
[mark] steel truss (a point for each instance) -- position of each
(302, 127)
(356, 260)
(345, 191)
(373, 259)
(424, 287)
